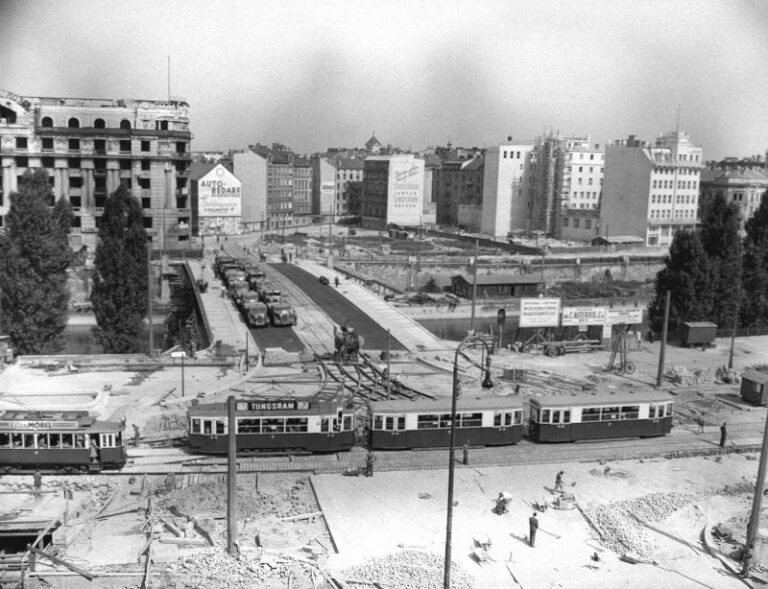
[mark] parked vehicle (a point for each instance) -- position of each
(255, 314)
(281, 313)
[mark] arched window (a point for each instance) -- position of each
(125, 124)
(99, 124)
(8, 114)
(73, 123)
(47, 122)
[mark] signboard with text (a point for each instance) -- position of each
(219, 194)
(630, 316)
(276, 405)
(539, 312)
(37, 425)
(583, 316)
(405, 193)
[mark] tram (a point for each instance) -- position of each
(67, 440)
(272, 424)
(600, 415)
(426, 423)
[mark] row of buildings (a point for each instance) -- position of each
(565, 187)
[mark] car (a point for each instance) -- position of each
(324, 280)
(255, 314)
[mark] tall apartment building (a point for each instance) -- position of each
(330, 178)
(458, 193)
(89, 146)
(651, 191)
(507, 186)
(393, 191)
(302, 189)
(742, 186)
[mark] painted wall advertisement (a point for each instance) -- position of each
(406, 191)
(583, 316)
(539, 312)
(631, 316)
(219, 194)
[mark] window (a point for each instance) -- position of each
(100, 145)
(47, 143)
(577, 221)
(46, 122)
(99, 124)
(22, 161)
(76, 182)
(125, 164)
(145, 146)
(296, 424)
(145, 165)
(587, 223)
(630, 411)
(590, 414)
(74, 163)
(125, 145)
(470, 419)
(74, 144)
(73, 123)
(125, 124)
(47, 162)
(610, 413)
(21, 143)
(144, 183)
(273, 425)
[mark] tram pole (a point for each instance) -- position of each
(663, 340)
(231, 478)
(389, 366)
(754, 518)
(474, 285)
(149, 297)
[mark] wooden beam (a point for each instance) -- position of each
(64, 563)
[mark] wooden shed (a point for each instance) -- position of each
(754, 387)
(497, 286)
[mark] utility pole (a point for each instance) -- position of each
(149, 298)
(734, 324)
(474, 285)
(754, 518)
(663, 340)
(246, 349)
(389, 366)
(231, 478)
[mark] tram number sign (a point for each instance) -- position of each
(273, 405)
(37, 425)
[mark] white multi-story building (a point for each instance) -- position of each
(393, 191)
(651, 191)
(506, 181)
(582, 174)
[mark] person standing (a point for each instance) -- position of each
(533, 525)
(369, 464)
(559, 482)
(37, 481)
(465, 453)
(723, 435)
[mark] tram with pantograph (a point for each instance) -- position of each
(273, 424)
(64, 440)
(600, 415)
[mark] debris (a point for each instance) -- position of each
(409, 569)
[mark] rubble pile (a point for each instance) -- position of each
(621, 524)
(682, 376)
(742, 487)
(214, 569)
(408, 569)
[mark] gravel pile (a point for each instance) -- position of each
(621, 523)
(408, 569)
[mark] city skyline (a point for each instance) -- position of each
(313, 76)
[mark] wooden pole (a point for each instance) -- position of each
(231, 478)
(64, 563)
(663, 340)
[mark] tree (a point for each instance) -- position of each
(686, 275)
(353, 191)
(722, 244)
(754, 289)
(63, 215)
(34, 256)
(119, 295)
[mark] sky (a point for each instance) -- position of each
(322, 73)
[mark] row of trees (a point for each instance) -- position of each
(714, 272)
(34, 259)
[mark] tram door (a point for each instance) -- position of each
(560, 424)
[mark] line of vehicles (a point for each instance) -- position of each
(259, 301)
(76, 442)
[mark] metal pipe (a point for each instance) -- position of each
(660, 374)
(231, 477)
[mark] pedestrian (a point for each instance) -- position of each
(37, 481)
(290, 257)
(700, 422)
(723, 435)
(559, 482)
(369, 465)
(533, 525)
(465, 453)
(336, 281)
(136, 435)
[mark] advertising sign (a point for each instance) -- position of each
(219, 194)
(405, 190)
(630, 316)
(583, 316)
(539, 312)
(278, 405)
(37, 425)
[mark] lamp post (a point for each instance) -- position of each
(486, 384)
(180, 355)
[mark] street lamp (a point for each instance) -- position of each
(486, 384)
(180, 355)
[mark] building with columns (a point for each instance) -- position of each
(651, 190)
(89, 146)
(741, 185)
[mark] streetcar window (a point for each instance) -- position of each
(378, 423)
(220, 427)
(496, 418)
(29, 440)
(296, 424)
(534, 414)
(401, 422)
(566, 416)
(207, 426)
(445, 420)
(248, 426)
(670, 407)
(119, 439)
(471, 420)
(336, 425)
(324, 423)
(555, 417)
(273, 426)
(545, 418)
(347, 423)
(390, 424)
(67, 440)
(609, 414)
(79, 440)
(194, 426)
(16, 440)
(590, 414)
(652, 411)
(54, 440)
(427, 422)
(508, 417)
(630, 411)
(518, 417)
(5, 440)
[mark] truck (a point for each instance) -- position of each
(281, 313)
(255, 314)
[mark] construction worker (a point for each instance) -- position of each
(37, 482)
(723, 435)
(136, 434)
(369, 465)
(336, 281)
(533, 526)
(559, 482)
(465, 453)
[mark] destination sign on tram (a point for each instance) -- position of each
(287, 405)
(37, 425)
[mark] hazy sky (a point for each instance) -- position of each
(320, 73)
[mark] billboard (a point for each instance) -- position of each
(630, 316)
(219, 194)
(583, 316)
(405, 194)
(539, 312)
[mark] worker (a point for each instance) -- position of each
(37, 481)
(723, 434)
(369, 464)
(559, 482)
(336, 281)
(136, 434)
(533, 525)
(465, 453)
(501, 503)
